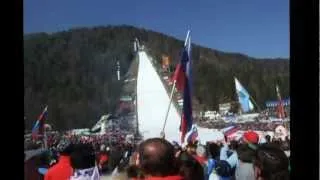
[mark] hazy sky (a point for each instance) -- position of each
(258, 28)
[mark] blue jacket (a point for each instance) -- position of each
(232, 159)
(211, 166)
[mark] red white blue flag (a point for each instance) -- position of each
(230, 130)
(183, 78)
(193, 136)
(39, 123)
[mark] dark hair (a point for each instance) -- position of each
(272, 162)
(287, 138)
(246, 153)
(214, 150)
(67, 151)
(225, 138)
(157, 157)
(83, 156)
(285, 146)
(190, 168)
(234, 145)
(268, 138)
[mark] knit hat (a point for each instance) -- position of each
(251, 137)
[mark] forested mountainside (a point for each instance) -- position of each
(74, 72)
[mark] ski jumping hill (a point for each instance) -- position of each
(152, 102)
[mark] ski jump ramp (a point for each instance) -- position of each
(152, 103)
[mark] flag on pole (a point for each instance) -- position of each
(192, 137)
(182, 77)
(280, 108)
(229, 131)
(39, 123)
(243, 96)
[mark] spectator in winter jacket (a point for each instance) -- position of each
(103, 161)
(214, 150)
(191, 148)
(217, 167)
(156, 160)
(201, 155)
(61, 170)
(230, 154)
(83, 163)
(271, 163)
(246, 152)
(114, 159)
(190, 168)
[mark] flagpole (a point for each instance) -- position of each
(186, 40)
(255, 103)
(45, 138)
(45, 133)
(166, 118)
(280, 102)
(162, 134)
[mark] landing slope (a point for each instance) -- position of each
(152, 102)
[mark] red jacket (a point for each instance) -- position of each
(60, 171)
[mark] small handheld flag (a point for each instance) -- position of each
(192, 137)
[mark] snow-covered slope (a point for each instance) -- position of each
(205, 135)
(152, 103)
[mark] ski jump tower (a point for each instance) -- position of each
(136, 45)
(118, 70)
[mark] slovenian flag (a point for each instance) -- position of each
(192, 137)
(39, 123)
(228, 131)
(182, 77)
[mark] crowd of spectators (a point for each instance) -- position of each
(77, 158)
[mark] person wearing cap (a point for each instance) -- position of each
(246, 151)
(61, 170)
(103, 159)
(250, 137)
